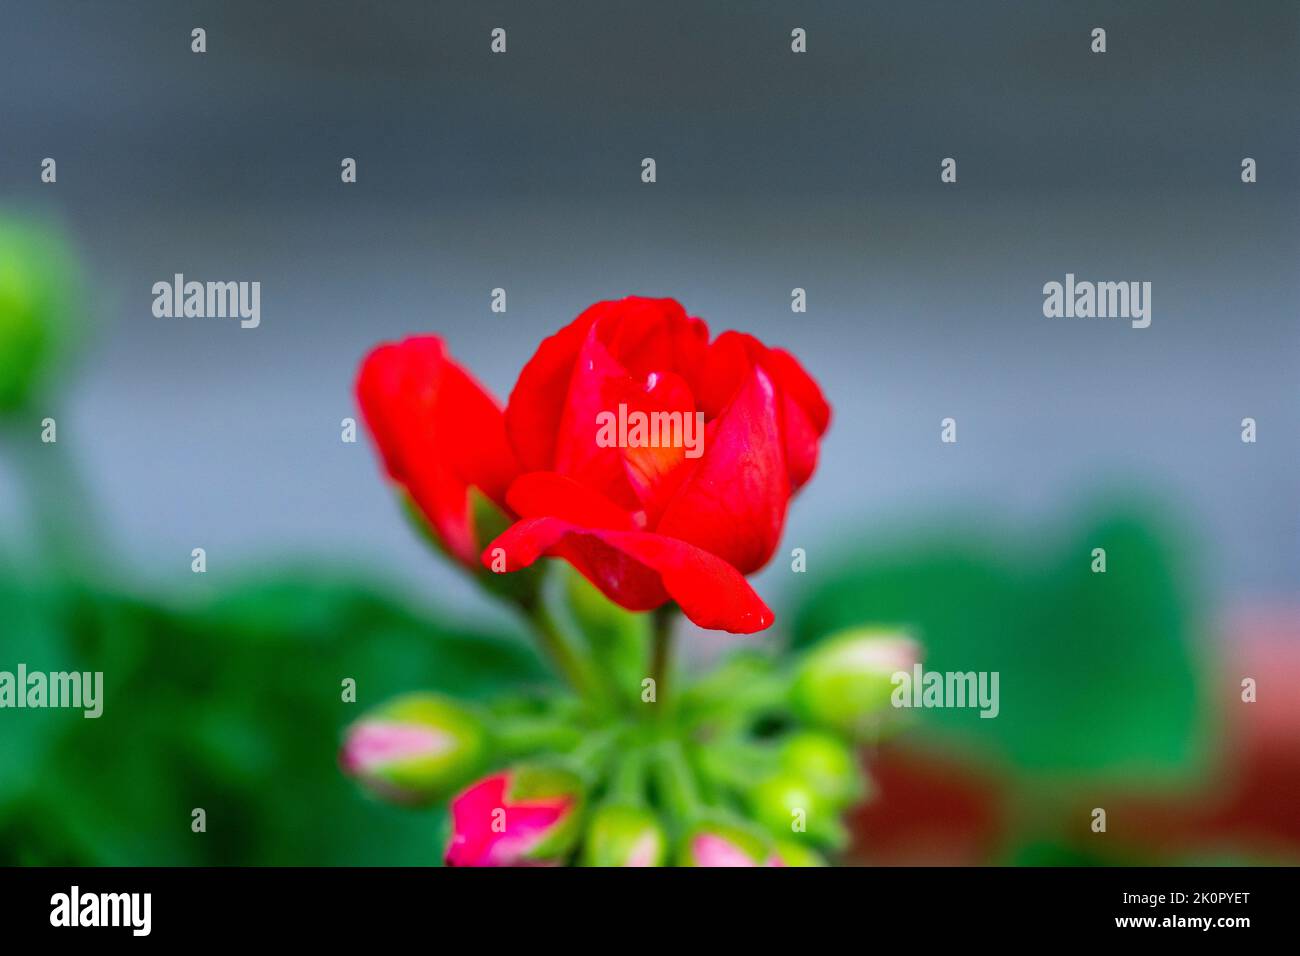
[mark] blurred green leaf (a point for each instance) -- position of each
(235, 707)
(1097, 671)
(28, 633)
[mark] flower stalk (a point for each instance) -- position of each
(556, 647)
(661, 649)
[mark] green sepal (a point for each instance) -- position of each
(543, 780)
(748, 838)
(619, 833)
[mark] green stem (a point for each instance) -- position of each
(661, 650)
(553, 643)
(737, 765)
(58, 500)
(521, 737)
(676, 783)
(628, 784)
(591, 755)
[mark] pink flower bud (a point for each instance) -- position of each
(415, 749)
(726, 844)
(524, 816)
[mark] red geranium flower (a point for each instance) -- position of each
(644, 524)
(647, 525)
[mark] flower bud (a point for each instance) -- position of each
(826, 762)
(789, 807)
(36, 312)
(845, 682)
(796, 854)
(622, 834)
(415, 749)
(723, 843)
(525, 816)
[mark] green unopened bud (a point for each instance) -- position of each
(845, 682)
(415, 749)
(726, 843)
(789, 806)
(36, 318)
(791, 853)
(623, 834)
(826, 762)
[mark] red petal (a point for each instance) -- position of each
(640, 571)
(733, 503)
(641, 334)
(600, 385)
(801, 445)
(537, 402)
(805, 415)
(653, 335)
(725, 367)
(596, 386)
(439, 433)
(542, 494)
(656, 472)
(381, 388)
(791, 378)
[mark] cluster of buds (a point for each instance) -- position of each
(753, 764)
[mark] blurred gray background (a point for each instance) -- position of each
(774, 171)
